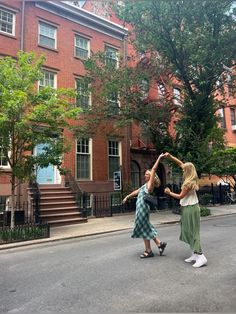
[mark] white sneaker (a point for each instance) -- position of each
(192, 258)
(201, 261)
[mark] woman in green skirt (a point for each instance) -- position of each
(143, 228)
(190, 211)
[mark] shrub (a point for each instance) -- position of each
(204, 211)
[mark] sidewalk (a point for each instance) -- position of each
(120, 222)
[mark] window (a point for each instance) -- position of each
(113, 104)
(161, 90)
(144, 88)
(3, 159)
(83, 99)
(111, 57)
(7, 22)
(114, 157)
(177, 96)
(82, 47)
(83, 158)
(222, 115)
(232, 116)
(48, 79)
(47, 35)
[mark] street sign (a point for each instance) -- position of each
(117, 180)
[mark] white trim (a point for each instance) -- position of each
(13, 21)
(40, 22)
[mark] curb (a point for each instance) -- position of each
(51, 240)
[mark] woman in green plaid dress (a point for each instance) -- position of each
(143, 228)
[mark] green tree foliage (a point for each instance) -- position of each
(29, 116)
(196, 41)
(129, 88)
(224, 164)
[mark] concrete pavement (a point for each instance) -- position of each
(119, 222)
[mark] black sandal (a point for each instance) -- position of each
(147, 254)
(162, 247)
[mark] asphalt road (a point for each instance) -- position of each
(105, 274)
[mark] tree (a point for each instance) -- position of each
(122, 97)
(28, 117)
(225, 165)
(196, 41)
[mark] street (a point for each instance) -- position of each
(104, 273)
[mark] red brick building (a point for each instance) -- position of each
(67, 35)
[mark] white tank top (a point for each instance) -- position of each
(189, 199)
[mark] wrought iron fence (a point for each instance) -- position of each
(24, 232)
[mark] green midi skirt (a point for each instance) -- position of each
(190, 226)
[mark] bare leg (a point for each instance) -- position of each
(157, 241)
(147, 245)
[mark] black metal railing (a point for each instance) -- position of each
(34, 187)
(24, 232)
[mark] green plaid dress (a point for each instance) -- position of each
(143, 228)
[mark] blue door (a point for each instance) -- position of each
(44, 175)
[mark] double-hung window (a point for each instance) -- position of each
(144, 88)
(48, 79)
(113, 157)
(83, 99)
(3, 159)
(232, 116)
(111, 56)
(47, 35)
(177, 96)
(222, 115)
(161, 90)
(7, 21)
(82, 47)
(83, 158)
(113, 104)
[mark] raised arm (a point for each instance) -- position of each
(176, 160)
(150, 184)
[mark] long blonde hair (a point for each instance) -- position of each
(190, 177)
(157, 181)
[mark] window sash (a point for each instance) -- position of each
(7, 22)
(83, 159)
(111, 56)
(113, 157)
(222, 114)
(48, 79)
(232, 116)
(83, 98)
(3, 159)
(47, 35)
(81, 47)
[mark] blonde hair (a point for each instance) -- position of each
(190, 177)
(157, 181)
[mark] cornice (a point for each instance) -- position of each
(83, 17)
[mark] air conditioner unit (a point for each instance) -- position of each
(234, 127)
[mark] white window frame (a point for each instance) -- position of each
(221, 112)
(13, 23)
(80, 48)
(118, 156)
(89, 153)
(2, 158)
(177, 96)
(233, 116)
(83, 95)
(144, 88)
(111, 57)
(113, 105)
(161, 90)
(52, 38)
(40, 85)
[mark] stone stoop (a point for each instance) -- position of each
(58, 206)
